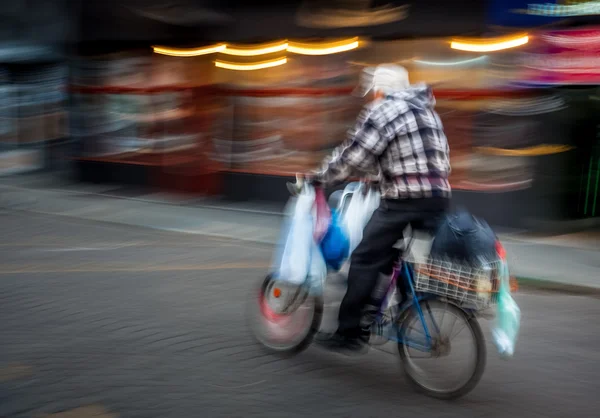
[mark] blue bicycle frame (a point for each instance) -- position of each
(404, 271)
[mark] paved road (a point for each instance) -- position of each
(103, 321)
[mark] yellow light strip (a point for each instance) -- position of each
(489, 46)
(294, 47)
(526, 152)
(250, 67)
(323, 49)
(251, 52)
(192, 52)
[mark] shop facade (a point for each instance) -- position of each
(210, 114)
(33, 74)
(562, 60)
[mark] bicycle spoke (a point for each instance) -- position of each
(452, 336)
(442, 321)
(452, 326)
(441, 367)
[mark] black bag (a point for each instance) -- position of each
(463, 237)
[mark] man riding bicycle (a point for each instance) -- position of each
(399, 137)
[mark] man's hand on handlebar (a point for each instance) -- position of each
(301, 181)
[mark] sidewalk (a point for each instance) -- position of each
(568, 261)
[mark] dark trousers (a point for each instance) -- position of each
(375, 253)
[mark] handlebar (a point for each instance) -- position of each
(301, 182)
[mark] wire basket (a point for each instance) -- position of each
(472, 285)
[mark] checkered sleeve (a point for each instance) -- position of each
(359, 153)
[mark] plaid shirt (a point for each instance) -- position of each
(401, 140)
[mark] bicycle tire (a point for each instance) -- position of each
(313, 325)
(480, 350)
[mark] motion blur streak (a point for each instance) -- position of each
(323, 49)
(250, 67)
(254, 51)
(489, 45)
(145, 151)
(195, 52)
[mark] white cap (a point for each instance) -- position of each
(387, 78)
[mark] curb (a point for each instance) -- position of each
(543, 285)
(520, 241)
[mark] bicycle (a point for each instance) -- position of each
(462, 292)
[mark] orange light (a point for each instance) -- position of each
(320, 48)
(323, 48)
(192, 52)
(277, 292)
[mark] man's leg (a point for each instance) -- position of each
(373, 255)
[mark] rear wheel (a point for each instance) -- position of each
(284, 318)
(440, 372)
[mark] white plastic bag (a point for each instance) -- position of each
(360, 209)
(317, 271)
(508, 319)
(294, 261)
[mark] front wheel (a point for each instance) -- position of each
(284, 318)
(438, 371)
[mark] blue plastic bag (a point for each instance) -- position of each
(508, 319)
(335, 245)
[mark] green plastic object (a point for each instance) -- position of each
(508, 319)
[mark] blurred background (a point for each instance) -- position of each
(229, 98)
(145, 147)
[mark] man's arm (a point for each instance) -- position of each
(358, 153)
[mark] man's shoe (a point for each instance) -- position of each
(343, 344)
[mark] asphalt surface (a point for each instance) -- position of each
(103, 320)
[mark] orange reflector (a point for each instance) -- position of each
(500, 250)
(277, 292)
